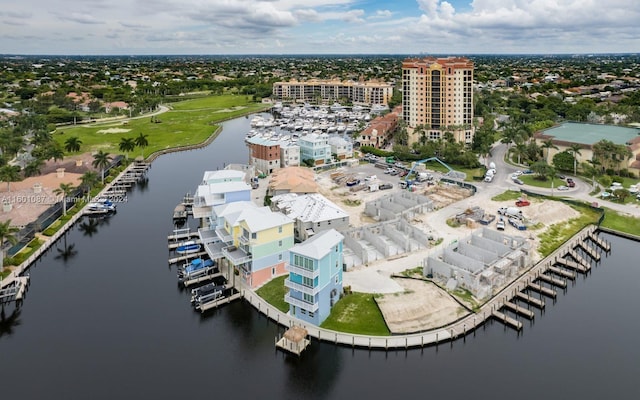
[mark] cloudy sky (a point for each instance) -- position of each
(108, 27)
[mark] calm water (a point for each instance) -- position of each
(110, 321)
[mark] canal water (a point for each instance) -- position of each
(104, 318)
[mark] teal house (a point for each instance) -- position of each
(315, 276)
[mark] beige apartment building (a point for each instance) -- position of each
(360, 93)
(437, 94)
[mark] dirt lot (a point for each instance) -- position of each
(422, 306)
(410, 305)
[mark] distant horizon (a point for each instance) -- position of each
(284, 27)
(586, 54)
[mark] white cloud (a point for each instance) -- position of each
(80, 18)
(330, 26)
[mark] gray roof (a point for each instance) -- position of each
(312, 207)
(318, 245)
(589, 134)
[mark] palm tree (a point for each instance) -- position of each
(9, 173)
(548, 144)
(142, 142)
(33, 167)
(89, 179)
(101, 160)
(65, 190)
(72, 144)
(575, 149)
(127, 145)
(54, 151)
(6, 233)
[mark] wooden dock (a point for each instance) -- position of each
(16, 291)
(589, 250)
(512, 322)
(202, 278)
(600, 242)
(530, 299)
(554, 281)
(563, 272)
(520, 310)
(579, 259)
(544, 290)
(571, 264)
(294, 340)
(216, 303)
(183, 234)
(187, 257)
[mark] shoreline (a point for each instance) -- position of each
(448, 333)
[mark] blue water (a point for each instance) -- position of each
(110, 321)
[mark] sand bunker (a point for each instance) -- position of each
(114, 130)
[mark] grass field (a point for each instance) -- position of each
(186, 123)
(357, 313)
(622, 223)
(273, 293)
(559, 233)
(508, 195)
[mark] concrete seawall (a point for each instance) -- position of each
(458, 329)
(24, 266)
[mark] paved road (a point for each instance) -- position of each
(502, 182)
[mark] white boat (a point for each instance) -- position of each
(101, 206)
(190, 246)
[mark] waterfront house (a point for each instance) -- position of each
(341, 147)
(252, 239)
(264, 154)
(219, 187)
(315, 147)
(312, 213)
(315, 277)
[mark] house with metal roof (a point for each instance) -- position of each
(586, 135)
(312, 213)
(252, 239)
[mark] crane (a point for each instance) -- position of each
(452, 173)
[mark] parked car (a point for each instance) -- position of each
(561, 176)
(389, 170)
(563, 187)
(527, 172)
(518, 181)
(522, 202)
(500, 224)
(370, 178)
(385, 186)
(570, 182)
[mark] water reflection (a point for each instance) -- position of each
(89, 226)
(8, 323)
(67, 252)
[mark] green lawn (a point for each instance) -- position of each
(508, 195)
(273, 293)
(471, 172)
(357, 313)
(187, 123)
(559, 233)
(622, 223)
(530, 179)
